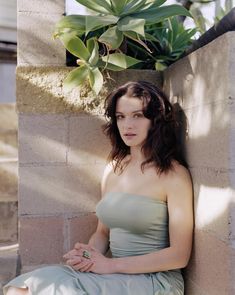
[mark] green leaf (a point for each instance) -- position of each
(96, 80)
(160, 66)
(93, 48)
(132, 24)
(101, 6)
(118, 5)
(76, 77)
(112, 38)
(73, 22)
(75, 45)
(136, 38)
(134, 6)
(94, 22)
(119, 61)
(158, 14)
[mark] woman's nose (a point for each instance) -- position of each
(128, 123)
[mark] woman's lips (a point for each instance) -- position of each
(129, 135)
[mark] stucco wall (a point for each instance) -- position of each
(203, 84)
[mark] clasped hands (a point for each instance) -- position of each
(86, 258)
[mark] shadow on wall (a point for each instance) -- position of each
(201, 85)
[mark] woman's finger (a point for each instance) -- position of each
(74, 261)
(87, 267)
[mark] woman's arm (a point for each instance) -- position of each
(100, 239)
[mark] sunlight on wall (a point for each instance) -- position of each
(212, 203)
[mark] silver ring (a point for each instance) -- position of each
(86, 254)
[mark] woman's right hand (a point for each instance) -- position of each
(75, 259)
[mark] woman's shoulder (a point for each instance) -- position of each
(178, 175)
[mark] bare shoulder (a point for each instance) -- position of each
(179, 174)
(179, 182)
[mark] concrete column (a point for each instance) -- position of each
(203, 85)
(36, 24)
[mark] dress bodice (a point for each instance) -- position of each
(138, 224)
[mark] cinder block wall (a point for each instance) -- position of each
(203, 84)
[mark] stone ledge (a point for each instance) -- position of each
(40, 90)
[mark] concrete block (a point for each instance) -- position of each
(40, 90)
(212, 201)
(41, 190)
(36, 45)
(51, 6)
(8, 222)
(41, 240)
(191, 288)
(8, 181)
(208, 135)
(82, 188)
(53, 190)
(87, 143)
(209, 267)
(81, 228)
(43, 139)
(198, 72)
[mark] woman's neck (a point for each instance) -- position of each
(136, 155)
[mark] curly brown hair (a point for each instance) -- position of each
(161, 146)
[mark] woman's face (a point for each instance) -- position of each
(131, 122)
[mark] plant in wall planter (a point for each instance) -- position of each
(121, 34)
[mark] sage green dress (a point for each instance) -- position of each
(138, 225)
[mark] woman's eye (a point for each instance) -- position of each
(139, 115)
(118, 117)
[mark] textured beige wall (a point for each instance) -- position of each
(203, 84)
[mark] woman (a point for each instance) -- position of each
(145, 215)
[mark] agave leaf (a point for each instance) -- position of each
(94, 22)
(136, 38)
(133, 7)
(160, 66)
(112, 38)
(120, 61)
(93, 48)
(118, 5)
(174, 28)
(76, 77)
(156, 3)
(132, 24)
(96, 80)
(73, 22)
(75, 45)
(101, 6)
(158, 14)
(185, 37)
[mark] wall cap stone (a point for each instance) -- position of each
(40, 90)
